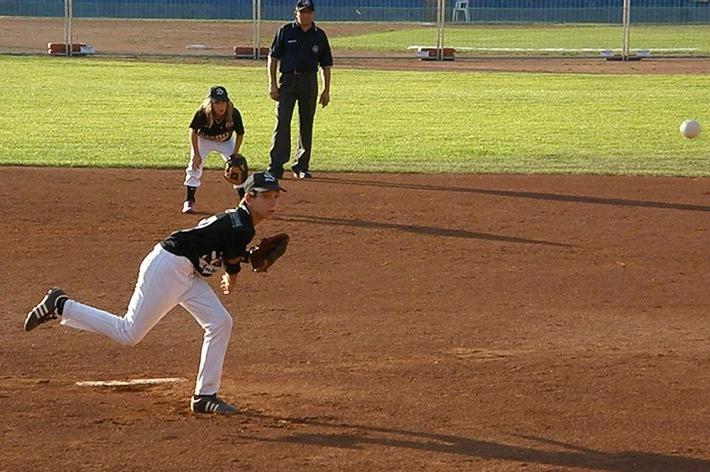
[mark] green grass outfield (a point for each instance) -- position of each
(538, 39)
(88, 112)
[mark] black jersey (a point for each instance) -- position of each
(301, 51)
(220, 130)
(214, 240)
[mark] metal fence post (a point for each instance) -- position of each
(68, 34)
(626, 28)
(440, 17)
(256, 28)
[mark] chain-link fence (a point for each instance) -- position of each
(361, 28)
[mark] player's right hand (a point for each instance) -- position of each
(227, 283)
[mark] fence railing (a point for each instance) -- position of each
(367, 28)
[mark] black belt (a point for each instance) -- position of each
(299, 72)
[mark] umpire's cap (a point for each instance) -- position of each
(261, 182)
(305, 5)
(219, 94)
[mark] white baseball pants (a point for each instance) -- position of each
(164, 281)
(205, 146)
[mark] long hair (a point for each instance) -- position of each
(206, 108)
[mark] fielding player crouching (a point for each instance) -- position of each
(173, 274)
(217, 126)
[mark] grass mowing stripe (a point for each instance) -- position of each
(86, 112)
(535, 37)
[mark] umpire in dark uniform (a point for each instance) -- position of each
(297, 50)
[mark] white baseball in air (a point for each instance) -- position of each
(690, 129)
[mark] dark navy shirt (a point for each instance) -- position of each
(220, 130)
(301, 51)
(214, 240)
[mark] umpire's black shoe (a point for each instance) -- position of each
(300, 174)
(210, 404)
(46, 310)
(278, 173)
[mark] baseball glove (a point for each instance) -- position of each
(263, 255)
(236, 170)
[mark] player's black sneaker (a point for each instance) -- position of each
(210, 404)
(46, 310)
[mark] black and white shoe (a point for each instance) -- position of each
(46, 310)
(300, 174)
(188, 207)
(210, 404)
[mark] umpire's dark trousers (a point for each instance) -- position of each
(301, 88)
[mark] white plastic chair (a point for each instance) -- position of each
(461, 6)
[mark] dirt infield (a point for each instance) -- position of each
(169, 37)
(461, 322)
(213, 41)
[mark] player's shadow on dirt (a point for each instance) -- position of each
(521, 194)
(355, 436)
(452, 233)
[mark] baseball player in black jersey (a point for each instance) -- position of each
(297, 50)
(173, 274)
(211, 129)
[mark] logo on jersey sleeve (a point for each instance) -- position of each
(210, 263)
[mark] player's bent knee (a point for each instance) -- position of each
(130, 337)
(223, 323)
(227, 323)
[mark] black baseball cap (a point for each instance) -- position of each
(305, 5)
(261, 182)
(219, 94)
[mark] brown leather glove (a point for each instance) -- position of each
(263, 255)
(236, 170)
